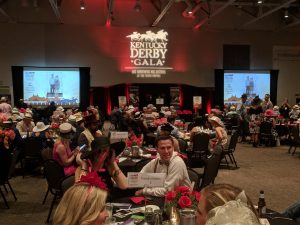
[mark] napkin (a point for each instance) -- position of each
(137, 200)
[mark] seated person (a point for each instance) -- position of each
(221, 134)
(41, 131)
(101, 159)
(135, 135)
(225, 204)
(62, 152)
(199, 127)
(167, 162)
(166, 130)
(83, 203)
(175, 132)
(26, 126)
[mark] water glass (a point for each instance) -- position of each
(111, 221)
(109, 208)
(187, 216)
(149, 216)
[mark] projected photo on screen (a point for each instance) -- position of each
(44, 85)
(250, 83)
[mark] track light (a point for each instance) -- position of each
(137, 7)
(82, 5)
(286, 14)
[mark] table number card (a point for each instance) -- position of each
(136, 180)
(118, 135)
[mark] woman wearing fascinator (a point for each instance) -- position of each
(224, 204)
(83, 203)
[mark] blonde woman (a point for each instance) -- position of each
(83, 203)
(221, 134)
(225, 204)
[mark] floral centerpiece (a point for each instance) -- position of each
(7, 135)
(182, 197)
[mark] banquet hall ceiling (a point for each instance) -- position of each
(204, 14)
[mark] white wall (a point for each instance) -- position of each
(194, 55)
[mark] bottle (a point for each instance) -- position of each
(261, 204)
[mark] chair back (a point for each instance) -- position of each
(266, 128)
(32, 147)
(54, 174)
(14, 157)
(47, 153)
(67, 182)
(200, 143)
(295, 134)
(211, 167)
(233, 141)
(194, 177)
(5, 163)
(182, 145)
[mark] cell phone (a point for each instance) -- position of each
(82, 147)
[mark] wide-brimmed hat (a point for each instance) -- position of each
(15, 111)
(217, 120)
(66, 130)
(276, 108)
(296, 107)
(60, 108)
(72, 119)
(3, 99)
(40, 126)
(137, 115)
(232, 108)
(97, 145)
(269, 113)
(28, 115)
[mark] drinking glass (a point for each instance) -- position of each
(149, 216)
(109, 208)
(110, 221)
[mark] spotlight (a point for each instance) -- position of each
(259, 2)
(82, 5)
(286, 14)
(190, 12)
(137, 7)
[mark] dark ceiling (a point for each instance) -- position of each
(190, 14)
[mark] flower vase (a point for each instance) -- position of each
(174, 216)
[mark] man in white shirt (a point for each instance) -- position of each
(167, 162)
(4, 106)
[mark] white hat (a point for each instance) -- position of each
(72, 118)
(276, 108)
(3, 99)
(15, 111)
(60, 108)
(28, 115)
(28, 110)
(296, 107)
(232, 108)
(40, 126)
(217, 120)
(66, 128)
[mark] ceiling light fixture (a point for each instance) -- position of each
(259, 2)
(286, 14)
(82, 5)
(137, 7)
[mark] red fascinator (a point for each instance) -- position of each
(93, 179)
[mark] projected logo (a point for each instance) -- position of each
(148, 54)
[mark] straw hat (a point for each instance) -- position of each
(296, 107)
(232, 108)
(15, 111)
(216, 120)
(40, 126)
(60, 108)
(65, 130)
(3, 99)
(72, 119)
(28, 115)
(276, 108)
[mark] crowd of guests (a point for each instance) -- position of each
(80, 147)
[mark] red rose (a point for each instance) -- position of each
(183, 190)
(184, 202)
(197, 195)
(170, 196)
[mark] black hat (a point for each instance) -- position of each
(118, 147)
(166, 127)
(89, 117)
(244, 96)
(97, 145)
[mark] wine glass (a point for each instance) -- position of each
(149, 215)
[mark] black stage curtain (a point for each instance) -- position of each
(17, 78)
(273, 85)
(84, 87)
(219, 88)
